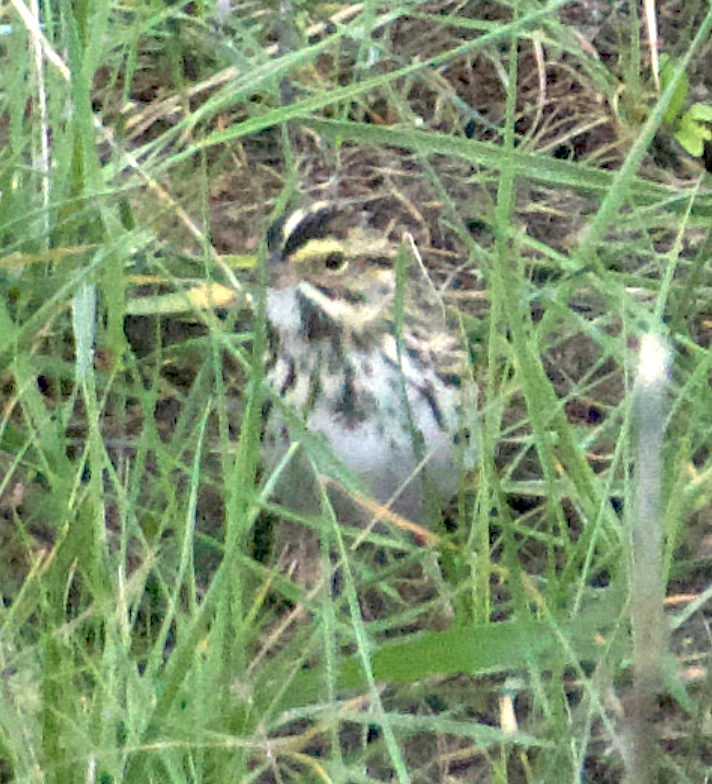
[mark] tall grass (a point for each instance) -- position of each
(143, 635)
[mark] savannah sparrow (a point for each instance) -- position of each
(374, 373)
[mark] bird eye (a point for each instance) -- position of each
(335, 262)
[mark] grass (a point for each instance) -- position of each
(147, 632)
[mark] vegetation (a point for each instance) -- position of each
(149, 630)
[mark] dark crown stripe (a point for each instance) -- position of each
(295, 230)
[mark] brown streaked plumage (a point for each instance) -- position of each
(384, 395)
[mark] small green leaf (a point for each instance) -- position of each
(692, 135)
(700, 112)
(693, 132)
(667, 72)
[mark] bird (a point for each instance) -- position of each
(368, 382)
